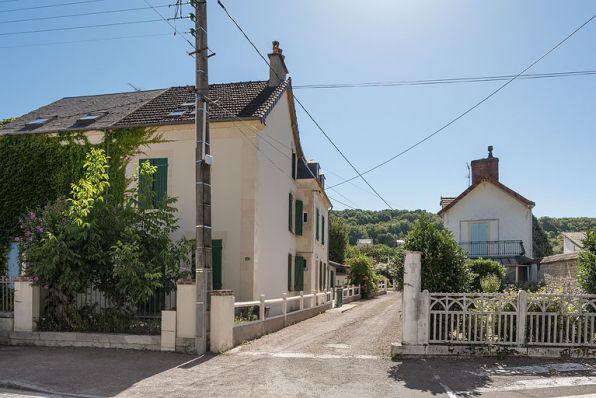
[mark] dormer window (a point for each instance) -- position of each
(177, 112)
(40, 121)
(91, 117)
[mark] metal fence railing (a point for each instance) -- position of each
(6, 294)
(93, 311)
(522, 319)
(494, 248)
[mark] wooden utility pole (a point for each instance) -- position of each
(203, 161)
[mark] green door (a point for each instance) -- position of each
(332, 279)
(216, 254)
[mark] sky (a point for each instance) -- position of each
(542, 130)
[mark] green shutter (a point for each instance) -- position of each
(290, 216)
(299, 217)
(290, 272)
(325, 276)
(216, 256)
(322, 230)
(299, 274)
(293, 165)
(317, 224)
(320, 275)
(156, 186)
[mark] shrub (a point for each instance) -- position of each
(444, 268)
(586, 275)
(361, 273)
(490, 284)
(481, 269)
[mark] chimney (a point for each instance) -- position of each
(278, 70)
(486, 168)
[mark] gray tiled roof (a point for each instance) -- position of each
(68, 110)
(575, 237)
(246, 100)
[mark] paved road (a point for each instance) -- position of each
(326, 356)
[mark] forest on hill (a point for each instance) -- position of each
(386, 226)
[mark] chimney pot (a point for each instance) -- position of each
(486, 168)
(277, 70)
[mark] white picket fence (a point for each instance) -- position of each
(522, 319)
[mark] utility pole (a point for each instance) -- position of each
(203, 161)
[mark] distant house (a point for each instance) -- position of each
(573, 241)
(490, 220)
(270, 211)
(339, 274)
(364, 243)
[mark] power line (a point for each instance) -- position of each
(52, 5)
(341, 203)
(301, 105)
(82, 14)
(85, 41)
(79, 27)
(473, 107)
(445, 81)
(172, 26)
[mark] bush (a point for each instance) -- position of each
(361, 273)
(586, 275)
(444, 268)
(481, 269)
(491, 284)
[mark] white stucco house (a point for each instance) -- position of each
(270, 211)
(490, 220)
(573, 241)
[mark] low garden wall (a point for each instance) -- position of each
(99, 340)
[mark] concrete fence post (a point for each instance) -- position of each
(185, 309)
(222, 320)
(262, 308)
(26, 304)
(385, 285)
(168, 330)
(301, 300)
(522, 312)
(284, 304)
(411, 298)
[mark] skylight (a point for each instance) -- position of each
(40, 121)
(188, 103)
(177, 112)
(91, 117)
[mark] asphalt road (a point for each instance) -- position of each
(331, 355)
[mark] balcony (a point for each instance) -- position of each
(498, 248)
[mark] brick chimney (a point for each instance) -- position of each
(486, 168)
(278, 70)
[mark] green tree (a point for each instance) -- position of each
(338, 239)
(6, 121)
(444, 268)
(586, 275)
(482, 269)
(541, 246)
(361, 273)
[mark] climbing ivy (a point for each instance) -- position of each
(38, 168)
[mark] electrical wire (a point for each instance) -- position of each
(473, 107)
(82, 14)
(51, 5)
(79, 27)
(172, 26)
(445, 81)
(301, 105)
(342, 203)
(84, 41)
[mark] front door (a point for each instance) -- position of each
(479, 241)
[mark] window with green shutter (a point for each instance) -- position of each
(290, 272)
(293, 165)
(322, 230)
(320, 275)
(299, 206)
(290, 208)
(299, 274)
(325, 276)
(317, 224)
(154, 187)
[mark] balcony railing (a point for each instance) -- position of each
(496, 248)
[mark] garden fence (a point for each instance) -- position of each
(520, 319)
(6, 294)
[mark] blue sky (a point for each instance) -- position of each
(542, 130)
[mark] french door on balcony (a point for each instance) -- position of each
(479, 239)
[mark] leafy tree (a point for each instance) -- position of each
(482, 269)
(361, 273)
(541, 246)
(338, 239)
(444, 268)
(6, 121)
(586, 275)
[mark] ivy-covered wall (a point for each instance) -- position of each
(37, 168)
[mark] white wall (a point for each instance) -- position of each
(487, 202)
(569, 247)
